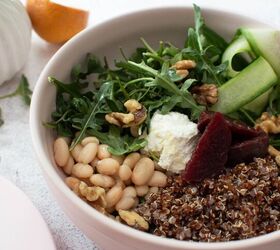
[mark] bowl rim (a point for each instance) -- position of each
(49, 169)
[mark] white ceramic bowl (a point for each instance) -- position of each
(105, 39)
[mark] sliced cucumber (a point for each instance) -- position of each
(265, 43)
(238, 45)
(258, 105)
(250, 83)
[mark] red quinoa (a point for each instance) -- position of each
(242, 202)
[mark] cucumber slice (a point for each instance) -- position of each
(250, 83)
(265, 43)
(258, 105)
(238, 45)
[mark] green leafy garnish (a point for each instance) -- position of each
(1, 118)
(146, 76)
(22, 90)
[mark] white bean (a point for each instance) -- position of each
(101, 180)
(158, 179)
(130, 191)
(132, 159)
(142, 171)
(61, 151)
(81, 170)
(76, 151)
(142, 190)
(108, 166)
(88, 153)
(125, 172)
(69, 165)
(89, 139)
(94, 162)
(125, 203)
(113, 196)
(103, 152)
(119, 158)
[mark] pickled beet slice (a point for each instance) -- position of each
(211, 152)
(245, 151)
(240, 130)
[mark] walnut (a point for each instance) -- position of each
(270, 124)
(92, 194)
(137, 115)
(273, 151)
(205, 94)
(133, 219)
(183, 66)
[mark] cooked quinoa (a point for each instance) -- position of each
(242, 202)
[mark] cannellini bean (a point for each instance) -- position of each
(81, 170)
(125, 203)
(72, 182)
(69, 165)
(103, 152)
(94, 162)
(158, 179)
(153, 190)
(142, 171)
(61, 151)
(118, 158)
(132, 159)
(113, 196)
(89, 139)
(88, 153)
(76, 151)
(125, 172)
(142, 190)
(120, 183)
(101, 180)
(108, 166)
(130, 191)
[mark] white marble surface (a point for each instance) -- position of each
(17, 160)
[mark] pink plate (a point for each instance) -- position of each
(21, 225)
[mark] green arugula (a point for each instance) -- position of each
(146, 76)
(1, 118)
(22, 90)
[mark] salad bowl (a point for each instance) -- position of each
(105, 39)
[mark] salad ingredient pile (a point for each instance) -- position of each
(176, 141)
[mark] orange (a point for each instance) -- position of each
(56, 23)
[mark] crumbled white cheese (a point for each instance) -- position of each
(172, 136)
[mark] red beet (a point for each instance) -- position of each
(211, 152)
(245, 151)
(240, 131)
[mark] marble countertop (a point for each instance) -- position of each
(17, 160)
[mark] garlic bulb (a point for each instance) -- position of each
(15, 38)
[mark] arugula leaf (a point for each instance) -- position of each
(103, 91)
(81, 71)
(205, 47)
(118, 144)
(162, 80)
(71, 88)
(1, 118)
(22, 90)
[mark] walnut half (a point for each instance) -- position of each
(133, 219)
(182, 67)
(137, 115)
(205, 94)
(270, 124)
